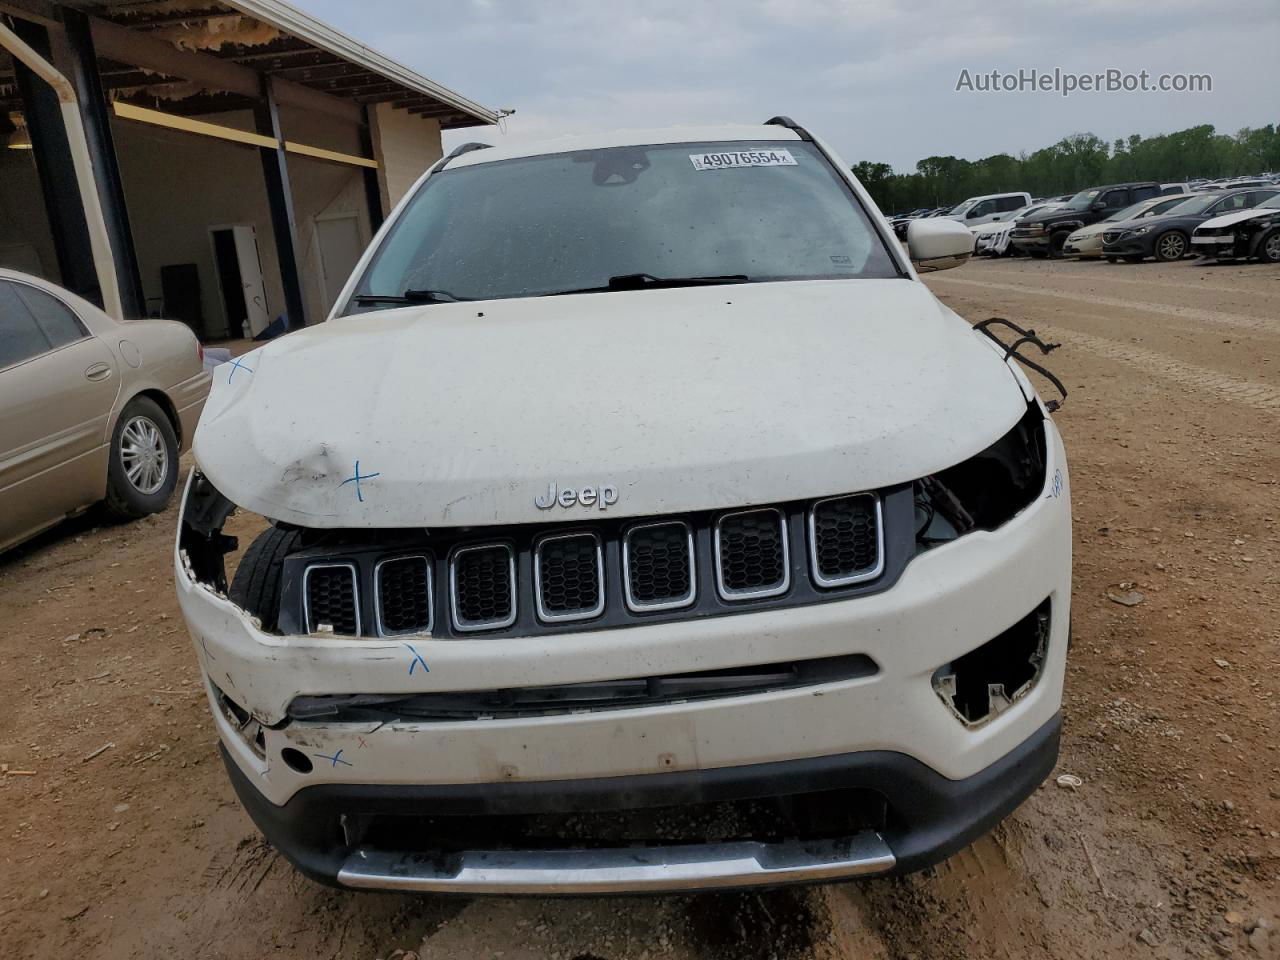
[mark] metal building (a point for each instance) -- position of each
(221, 162)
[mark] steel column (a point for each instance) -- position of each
(102, 152)
(275, 170)
(56, 169)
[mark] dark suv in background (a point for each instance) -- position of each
(1168, 236)
(1046, 232)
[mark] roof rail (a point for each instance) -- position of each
(464, 148)
(785, 121)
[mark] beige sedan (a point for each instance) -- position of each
(91, 410)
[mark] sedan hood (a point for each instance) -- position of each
(1237, 216)
(678, 399)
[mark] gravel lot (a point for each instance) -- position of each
(1170, 848)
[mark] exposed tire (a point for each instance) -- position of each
(1169, 246)
(257, 584)
(1057, 241)
(1269, 247)
(142, 470)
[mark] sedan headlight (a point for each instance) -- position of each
(1139, 232)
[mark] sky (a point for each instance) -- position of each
(877, 80)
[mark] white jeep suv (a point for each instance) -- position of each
(639, 521)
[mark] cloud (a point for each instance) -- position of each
(875, 77)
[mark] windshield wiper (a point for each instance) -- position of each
(647, 281)
(410, 296)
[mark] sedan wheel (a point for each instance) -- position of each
(143, 455)
(1171, 246)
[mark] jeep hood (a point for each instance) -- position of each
(461, 414)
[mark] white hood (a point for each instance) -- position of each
(680, 399)
(1236, 216)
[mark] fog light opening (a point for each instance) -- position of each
(987, 681)
(296, 760)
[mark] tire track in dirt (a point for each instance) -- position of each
(1234, 389)
(1129, 281)
(1236, 320)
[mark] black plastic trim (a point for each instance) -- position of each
(931, 817)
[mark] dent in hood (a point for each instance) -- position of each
(683, 399)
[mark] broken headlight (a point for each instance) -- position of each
(988, 489)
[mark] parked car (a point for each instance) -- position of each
(1046, 232)
(900, 225)
(985, 209)
(1244, 233)
(91, 410)
(549, 544)
(1168, 236)
(1171, 189)
(1087, 241)
(992, 238)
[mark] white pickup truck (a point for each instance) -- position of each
(639, 521)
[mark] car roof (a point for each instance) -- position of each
(728, 133)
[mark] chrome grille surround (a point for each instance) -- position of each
(674, 603)
(858, 576)
(584, 613)
(732, 594)
(378, 595)
(311, 626)
(472, 626)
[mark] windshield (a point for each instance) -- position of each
(1194, 205)
(575, 222)
(1082, 200)
(959, 208)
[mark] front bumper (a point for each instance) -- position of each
(949, 601)
(1223, 247)
(937, 817)
(1087, 247)
(1131, 247)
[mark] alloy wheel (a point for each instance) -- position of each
(1172, 246)
(143, 455)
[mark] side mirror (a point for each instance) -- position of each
(1098, 205)
(938, 244)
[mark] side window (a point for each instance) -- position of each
(54, 317)
(20, 338)
(1145, 193)
(1260, 196)
(1005, 204)
(1115, 199)
(982, 209)
(1229, 204)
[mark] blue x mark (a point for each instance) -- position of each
(417, 659)
(356, 480)
(336, 758)
(237, 365)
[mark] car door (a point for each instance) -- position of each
(982, 212)
(1113, 201)
(58, 384)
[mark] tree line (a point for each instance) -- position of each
(1074, 163)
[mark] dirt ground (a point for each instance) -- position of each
(126, 840)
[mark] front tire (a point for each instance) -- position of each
(143, 468)
(1057, 241)
(1269, 248)
(258, 582)
(1170, 246)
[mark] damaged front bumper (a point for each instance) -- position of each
(411, 803)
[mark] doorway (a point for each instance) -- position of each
(239, 273)
(341, 243)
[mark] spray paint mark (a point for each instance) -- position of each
(335, 759)
(237, 365)
(356, 480)
(417, 659)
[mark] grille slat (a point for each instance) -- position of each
(752, 558)
(482, 587)
(569, 577)
(403, 588)
(845, 540)
(330, 598)
(658, 565)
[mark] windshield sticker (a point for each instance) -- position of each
(744, 158)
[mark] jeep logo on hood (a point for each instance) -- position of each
(605, 496)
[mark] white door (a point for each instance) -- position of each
(340, 243)
(255, 294)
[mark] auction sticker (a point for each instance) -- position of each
(743, 158)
